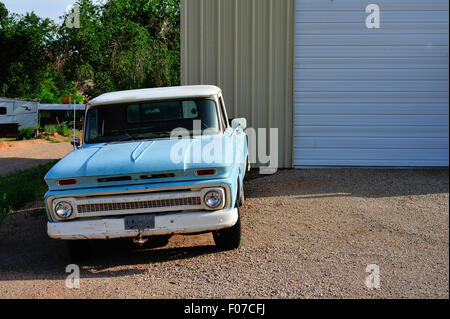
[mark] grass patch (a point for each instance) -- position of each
(19, 189)
(52, 140)
(29, 133)
(51, 129)
(62, 129)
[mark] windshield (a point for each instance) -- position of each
(147, 120)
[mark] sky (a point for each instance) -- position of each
(43, 8)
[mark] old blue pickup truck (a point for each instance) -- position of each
(153, 162)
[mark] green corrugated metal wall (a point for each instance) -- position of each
(246, 47)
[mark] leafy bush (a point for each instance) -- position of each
(51, 129)
(27, 133)
(63, 129)
(52, 93)
(47, 97)
(72, 91)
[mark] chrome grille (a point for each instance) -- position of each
(156, 203)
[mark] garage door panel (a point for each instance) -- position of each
(305, 16)
(371, 51)
(369, 131)
(388, 5)
(347, 120)
(373, 100)
(373, 74)
(374, 142)
(391, 162)
(371, 97)
(371, 63)
(376, 39)
(371, 85)
(371, 109)
(371, 154)
(359, 28)
(373, 94)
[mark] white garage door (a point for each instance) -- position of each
(371, 96)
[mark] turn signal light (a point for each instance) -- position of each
(205, 172)
(67, 182)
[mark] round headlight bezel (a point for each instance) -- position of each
(66, 212)
(213, 195)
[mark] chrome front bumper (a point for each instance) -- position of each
(165, 224)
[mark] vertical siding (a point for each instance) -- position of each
(371, 97)
(246, 48)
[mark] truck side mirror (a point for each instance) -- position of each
(75, 142)
(239, 122)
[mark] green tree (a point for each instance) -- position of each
(24, 41)
(121, 44)
(124, 44)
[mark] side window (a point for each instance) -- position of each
(93, 124)
(2, 110)
(223, 112)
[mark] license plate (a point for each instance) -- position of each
(140, 222)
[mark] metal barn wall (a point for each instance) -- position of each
(371, 97)
(246, 47)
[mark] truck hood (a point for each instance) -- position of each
(156, 160)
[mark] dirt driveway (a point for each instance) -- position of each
(306, 234)
(20, 155)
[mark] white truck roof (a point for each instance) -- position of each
(141, 95)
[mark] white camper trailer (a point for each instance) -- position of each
(24, 113)
(17, 114)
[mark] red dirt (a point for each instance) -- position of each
(20, 155)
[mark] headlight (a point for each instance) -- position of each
(63, 209)
(213, 199)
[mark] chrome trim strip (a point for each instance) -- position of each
(192, 188)
(177, 223)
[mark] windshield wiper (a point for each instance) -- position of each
(126, 138)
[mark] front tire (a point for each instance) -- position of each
(230, 238)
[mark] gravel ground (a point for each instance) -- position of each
(306, 234)
(20, 155)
